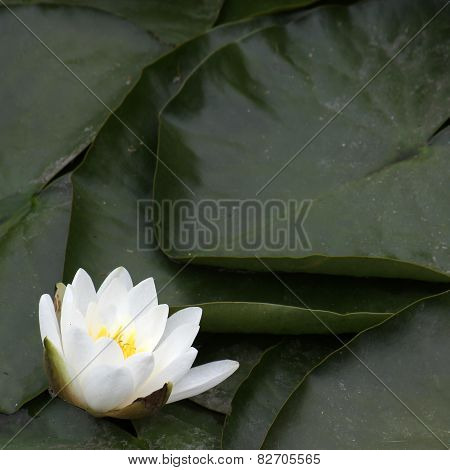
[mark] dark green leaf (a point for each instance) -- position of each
(61, 426)
(181, 425)
(166, 76)
(388, 390)
(245, 349)
(48, 116)
(32, 249)
(109, 227)
(379, 191)
(261, 397)
(233, 10)
(170, 21)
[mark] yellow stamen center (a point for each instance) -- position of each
(124, 337)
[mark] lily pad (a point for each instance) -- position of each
(166, 76)
(61, 426)
(389, 389)
(183, 425)
(171, 22)
(32, 251)
(111, 223)
(245, 349)
(233, 10)
(46, 121)
(299, 112)
(268, 386)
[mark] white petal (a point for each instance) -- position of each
(75, 386)
(112, 304)
(48, 323)
(186, 315)
(119, 273)
(84, 290)
(93, 320)
(107, 387)
(202, 378)
(83, 354)
(141, 367)
(142, 296)
(178, 342)
(107, 351)
(150, 327)
(172, 373)
(79, 349)
(70, 316)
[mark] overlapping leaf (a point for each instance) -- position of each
(58, 425)
(311, 95)
(49, 115)
(181, 425)
(389, 389)
(170, 22)
(245, 349)
(262, 396)
(32, 251)
(109, 228)
(233, 10)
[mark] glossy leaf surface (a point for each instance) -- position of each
(388, 390)
(32, 251)
(181, 425)
(267, 388)
(356, 142)
(61, 426)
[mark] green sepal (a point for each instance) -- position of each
(58, 376)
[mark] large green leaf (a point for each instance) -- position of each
(107, 225)
(267, 388)
(167, 75)
(181, 425)
(61, 426)
(47, 115)
(32, 250)
(233, 10)
(170, 21)
(245, 349)
(388, 390)
(379, 190)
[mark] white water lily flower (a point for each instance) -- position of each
(115, 352)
